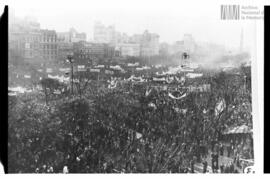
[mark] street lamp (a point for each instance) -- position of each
(71, 61)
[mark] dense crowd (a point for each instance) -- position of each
(132, 128)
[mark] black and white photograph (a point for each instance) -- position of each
(131, 87)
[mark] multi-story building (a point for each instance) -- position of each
(48, 45)
(31, 45)
(136, 38)
(189, 43)
(31, 42)
(164, 49)
(23, 24)
(82, 52)
(125, 38)
(129, 49)
(24, 38)
(149, 44)
(64, 49)
(71, 36)
(85, 52)
(127, 45)
(103, 34)
(63, 37)
(109, 50)
(65, 46)
(26, 44)
(75, 36)
(118, 37)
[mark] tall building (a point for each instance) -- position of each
(48, 45)
(149, 44)
(118, 37)
(26, 44)
(23, 24)
(24, 38)
(189, 43)
(31, 45)
(103, 34)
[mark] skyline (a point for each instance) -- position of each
(168, 20)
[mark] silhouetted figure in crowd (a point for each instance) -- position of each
(192, 163)
(205, 164)
(221, 168)
(221, 149)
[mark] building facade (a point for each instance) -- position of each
(24, 37)
(48, 45)
(85, 52)
(63, 37)
(103, 34)
(136, 38)
(189, 43)
(71, 36)
(149, 44)
(129, 49)
(75, 36)
(64, 49)
(164, 49)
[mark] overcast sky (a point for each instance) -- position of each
(168, 18)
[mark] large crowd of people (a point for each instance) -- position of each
(124, 126)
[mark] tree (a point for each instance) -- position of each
(49, 86)
(82, 80)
